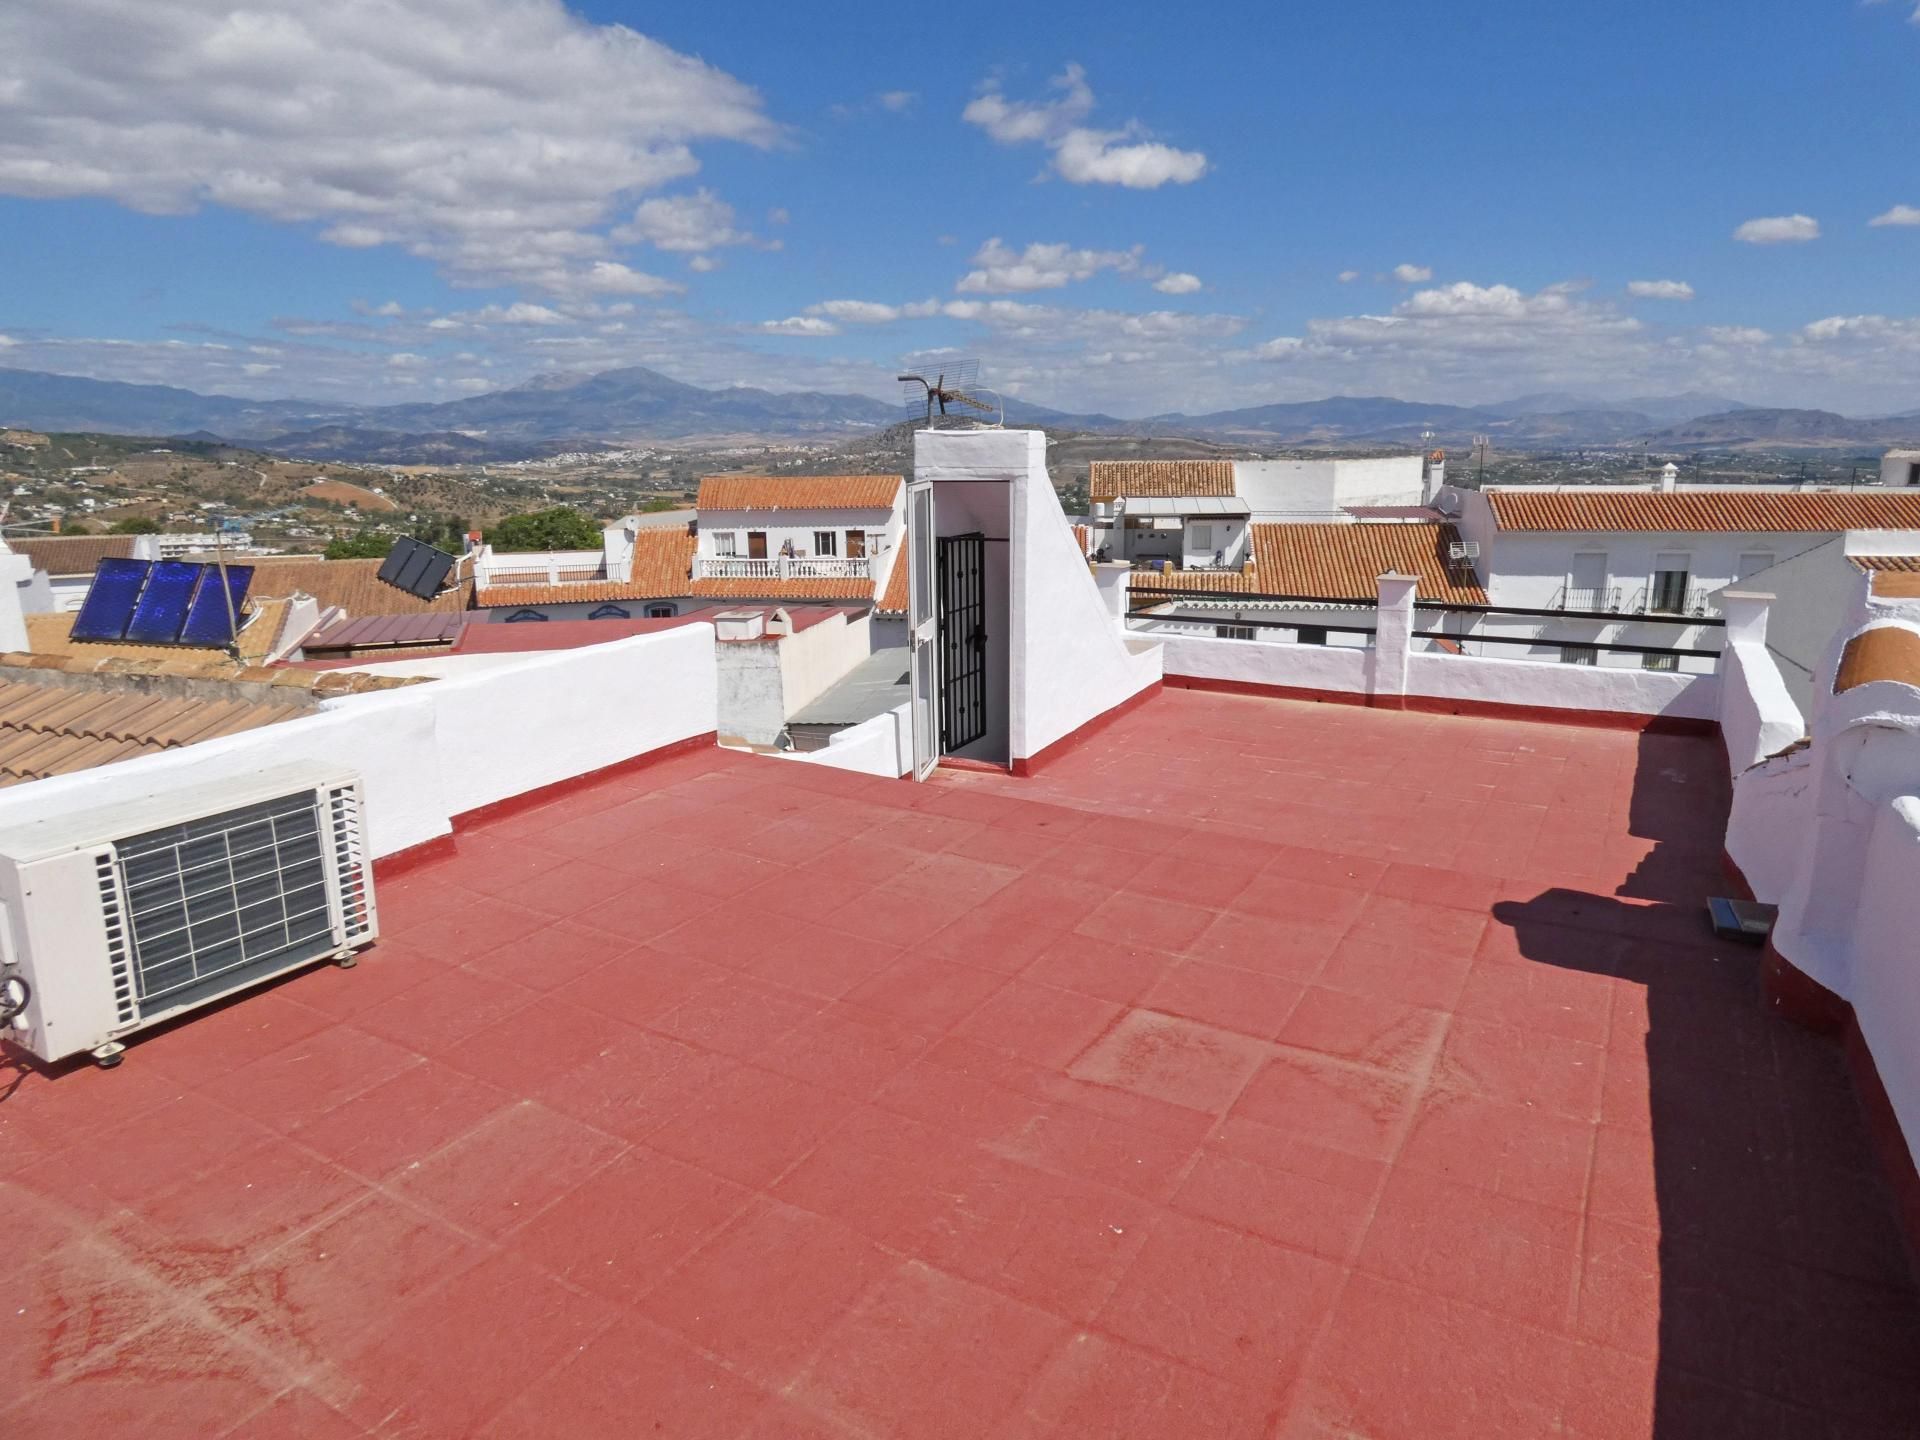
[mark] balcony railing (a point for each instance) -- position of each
(1696, 602)
(783, 567)
(1590, 599)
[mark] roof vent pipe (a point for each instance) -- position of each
(1669, 474)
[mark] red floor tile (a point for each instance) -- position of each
(1096, 1386)
(1506, 1255)
(1167, 1058)
(506, 1170)
(1225, 1302)
(761, 1292)
(1353, 1109)
(1384, 1034)
(1041, 1153)
(929, 1356)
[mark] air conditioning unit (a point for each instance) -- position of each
(1464, 550)
(121, 917)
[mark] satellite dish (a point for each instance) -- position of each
(418, 569)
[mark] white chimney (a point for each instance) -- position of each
(1669, 474)
(16, 574)
(1436, 476)
(740, 624)
(780, 622)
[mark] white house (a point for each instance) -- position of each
(1900, 467)
(799, 527)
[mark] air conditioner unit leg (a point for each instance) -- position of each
(346, 959)
(109, 1055)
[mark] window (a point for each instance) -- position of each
(1579, 655)
(856, 544)
(660, 612)
(1233, 632)
(826, 542)
(726, 542)
(606, 612)
(1310, 635)
(1660, 662)
(756, 544)
(520, 615)
(1669, 594)
(1587, 581)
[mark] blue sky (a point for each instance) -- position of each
(1147, 208)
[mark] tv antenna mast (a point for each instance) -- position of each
(952, 386)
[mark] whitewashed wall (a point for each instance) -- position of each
(1886, 994)
(1758, 716)
(884, 528)
(428, 753)
(881, 746)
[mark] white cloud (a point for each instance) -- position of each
(1347, 277)
(704, 264)
(1737, 335)
(898, 101)
(1660, 289)
(1178, 282)
(406, 360)
(811, 325)
(1898, 215)
(1082, 155)
(1779, 230)
(687, 223)
(521, 312)
(1412, 274)
(778, 215)
(7, 342)
(491, 137)
(1004, 271)
(610, 277)
(870, 312)
(1283, 347)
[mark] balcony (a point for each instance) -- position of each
(1587, 599)
(783, 567)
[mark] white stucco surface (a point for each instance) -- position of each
(1068, 660)
(1758, 715)
(880, 746)
(428, 753)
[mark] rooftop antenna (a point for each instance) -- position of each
(951, 387)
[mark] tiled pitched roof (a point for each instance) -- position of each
(50, 634)
(72, 554)
(1710, 509)
(47, 731)
(351, 585)
(799, 492)
(1887, 564)
(1335, 562)
(893, 601)
(241, 679)
(785, 589)
(387, 632)
(662, 560)
(1886, 652)
(1178, 479)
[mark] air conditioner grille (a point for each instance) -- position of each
(119, 958)
(216, 902)
(350, 864)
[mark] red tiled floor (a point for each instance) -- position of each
(1259, 1070)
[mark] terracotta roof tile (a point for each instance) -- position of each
(1712, 509)
(55, 724)
(1177, 479)
(893, 601)
(799, 492)
(662, 561)
(1885, 652)
(211, 667)
(72, 554)
(350, 585)
(1335, 562)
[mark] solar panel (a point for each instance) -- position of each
(108, 608)
(163, 604)
(207, 618)
(417, 569)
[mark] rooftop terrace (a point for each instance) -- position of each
(1259, 1070)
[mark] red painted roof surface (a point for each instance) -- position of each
(387, 631)
(1246, 1075)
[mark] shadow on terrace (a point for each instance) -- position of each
(1761, 1273)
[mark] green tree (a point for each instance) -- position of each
(367, 545)
(654, 504)
(77, 528)
(559, 528)
(135, 525)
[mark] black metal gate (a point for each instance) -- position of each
(962, 611)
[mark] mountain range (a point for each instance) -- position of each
(552, 413)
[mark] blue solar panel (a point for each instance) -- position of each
(207, 619)
(108, 608)
(163, 604)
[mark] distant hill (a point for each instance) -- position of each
(550, 413)
(1775, 428)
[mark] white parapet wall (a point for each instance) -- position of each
(429, 753)
(880, 746)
